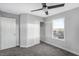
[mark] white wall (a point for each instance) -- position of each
(71, 31)
(25, 35)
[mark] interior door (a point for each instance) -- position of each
(33, 34)
(8, 33)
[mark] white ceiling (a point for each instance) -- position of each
(22, 8)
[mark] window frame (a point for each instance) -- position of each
(64, 29)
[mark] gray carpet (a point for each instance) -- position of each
(38, 50)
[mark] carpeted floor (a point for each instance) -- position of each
(41, 49)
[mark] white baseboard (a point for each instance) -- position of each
(27, 46)
(32, 45)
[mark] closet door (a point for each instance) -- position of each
(33, 34)
(8, 33)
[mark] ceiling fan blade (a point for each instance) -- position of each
(36, 10)
(55, 6)
(46, 12)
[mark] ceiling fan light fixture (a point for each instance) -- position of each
(45, 9)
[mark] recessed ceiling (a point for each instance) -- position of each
(22, 8)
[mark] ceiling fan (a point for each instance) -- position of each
(45, 7)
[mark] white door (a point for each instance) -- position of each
(33, 34)
(8, 33)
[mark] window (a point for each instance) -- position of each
(58, 28)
